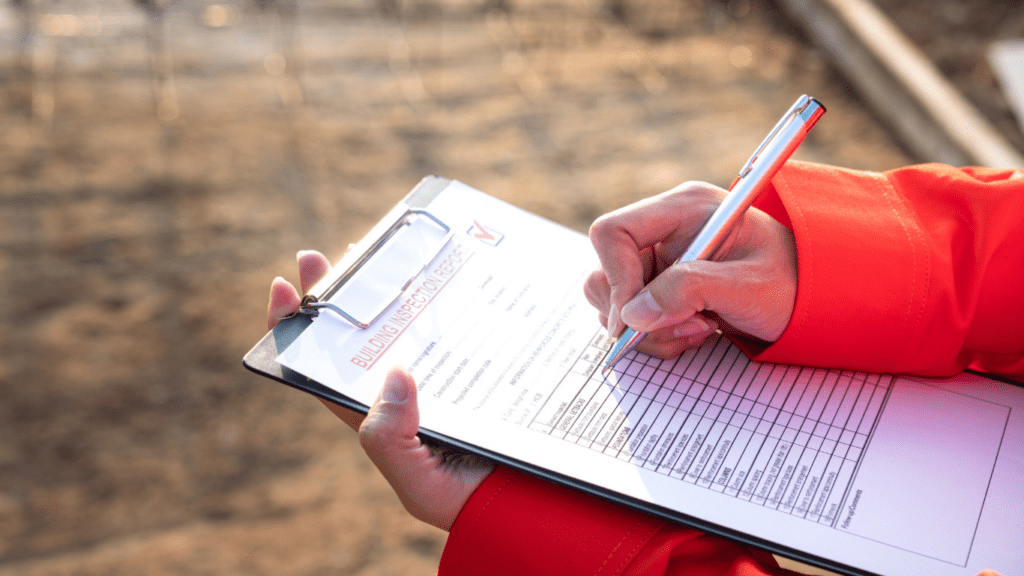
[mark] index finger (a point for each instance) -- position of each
(312, 267)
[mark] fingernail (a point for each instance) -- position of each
(301, 253)
(613, 318)
(641, 310)
(693, 326)
(395, 390)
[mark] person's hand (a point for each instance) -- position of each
(285, 300)
(749, 286)
(433, 485)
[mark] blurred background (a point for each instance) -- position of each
(162, 160)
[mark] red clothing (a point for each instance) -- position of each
(917, 270)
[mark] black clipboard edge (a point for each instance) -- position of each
(262, 360)
(996, 377)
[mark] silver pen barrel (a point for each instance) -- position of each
(773, 152)
(777, 148)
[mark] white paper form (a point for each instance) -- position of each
(491, 313)
(796, 440)
(889, 475)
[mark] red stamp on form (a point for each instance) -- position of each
(485, 234)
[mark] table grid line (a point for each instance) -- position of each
(783, 437)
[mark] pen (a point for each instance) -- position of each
(773, 152)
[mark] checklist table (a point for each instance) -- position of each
(784, 437)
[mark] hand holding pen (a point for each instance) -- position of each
(738, 269)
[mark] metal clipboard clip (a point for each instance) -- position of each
(381, 274)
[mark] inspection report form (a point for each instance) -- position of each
(873, 473)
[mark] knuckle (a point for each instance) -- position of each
(603, 227)
(688, 187)
(686, 290)
(371, 437)
(684, 279)
(696, 190)
(596, 287)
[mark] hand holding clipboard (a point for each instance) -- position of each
(432, 489)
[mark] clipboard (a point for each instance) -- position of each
(262, 359)
(414, 212)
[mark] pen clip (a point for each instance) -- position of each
(797, 108)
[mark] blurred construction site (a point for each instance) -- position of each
(162, 161)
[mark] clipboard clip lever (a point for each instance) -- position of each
(310, 306)
(380, 298)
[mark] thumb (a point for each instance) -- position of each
(390, 427)
(388, 435)
(669, 299)
(741, 294)
(680, 292)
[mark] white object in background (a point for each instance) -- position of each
(1007, 59)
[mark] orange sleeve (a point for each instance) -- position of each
(917, 270)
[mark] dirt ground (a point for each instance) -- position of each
(137, 242)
